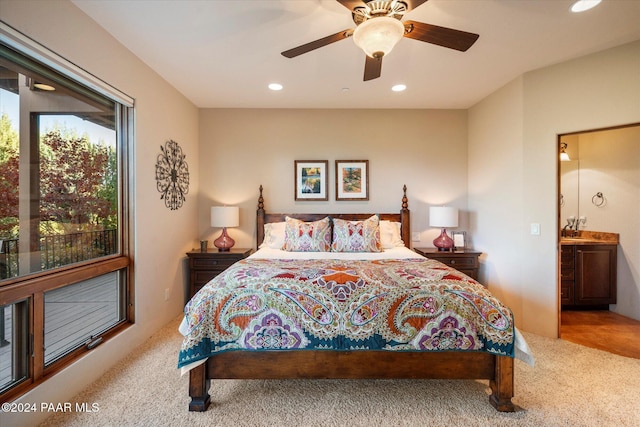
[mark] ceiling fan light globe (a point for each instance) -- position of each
(377, 36)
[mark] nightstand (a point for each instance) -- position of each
(204, 266)
(465, 261)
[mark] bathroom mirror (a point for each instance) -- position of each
(569, 179)
(601, 177)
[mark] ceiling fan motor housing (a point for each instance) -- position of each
(374, 8)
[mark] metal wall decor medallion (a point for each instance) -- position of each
(172, 175)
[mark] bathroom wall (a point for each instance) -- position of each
(610, 164)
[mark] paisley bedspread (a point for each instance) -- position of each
(391, 304)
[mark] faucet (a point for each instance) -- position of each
(571, 222)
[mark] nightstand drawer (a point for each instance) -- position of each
(459, 262)
(211, 263)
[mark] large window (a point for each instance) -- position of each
(65, 281)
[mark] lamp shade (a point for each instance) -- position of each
(443, 216)
(225, 216)
(377, 36)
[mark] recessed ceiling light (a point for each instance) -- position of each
(399, 88)
(275, 86)
(43, 86)
(582, 5)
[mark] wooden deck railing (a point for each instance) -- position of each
(58, 250)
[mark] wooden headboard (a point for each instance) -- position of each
(402, 217)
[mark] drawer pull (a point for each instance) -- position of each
(453, 261)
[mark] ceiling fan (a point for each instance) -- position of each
(379, 28)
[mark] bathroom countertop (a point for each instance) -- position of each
(586, 237)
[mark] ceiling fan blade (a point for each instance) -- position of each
(412, 4)
(351, 4)
(446, 37)
(308, 47)
(372, 68)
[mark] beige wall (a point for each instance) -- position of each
(495, 192)
(243, 148)
(162, 236)
(591, 92)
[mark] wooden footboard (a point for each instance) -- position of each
(354, 365)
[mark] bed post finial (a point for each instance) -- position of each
(405, 219)
(261, 199)
(260, 220)
(405, 201)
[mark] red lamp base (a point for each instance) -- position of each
(224, 242)
(443, 242)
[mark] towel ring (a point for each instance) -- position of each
(598, 200)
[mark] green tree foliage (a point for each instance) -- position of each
(109, 190)
(8, 177)
(78, 182)
(74, 180)
(8, 139)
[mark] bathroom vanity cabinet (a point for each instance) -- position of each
(588, 274)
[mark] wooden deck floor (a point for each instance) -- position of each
(72, 315)
(604, 330)
(6, 338)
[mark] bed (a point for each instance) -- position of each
(241, 324)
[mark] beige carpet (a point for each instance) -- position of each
(570, 385)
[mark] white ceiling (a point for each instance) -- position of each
(224, 53)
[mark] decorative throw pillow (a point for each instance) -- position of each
(301, 236)
(356, 236)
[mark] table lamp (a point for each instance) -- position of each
(224, 216)
(443, 216)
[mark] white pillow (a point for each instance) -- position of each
(390, 234)
(273, 235)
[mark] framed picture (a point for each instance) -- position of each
(311, 179)
(352, 179)
(459, 240)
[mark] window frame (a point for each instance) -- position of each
(31, 287)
